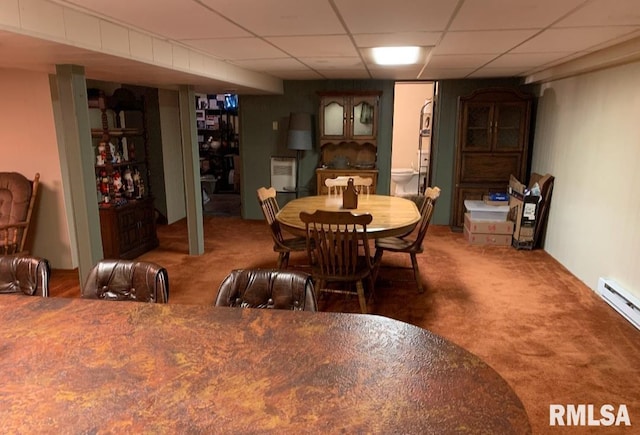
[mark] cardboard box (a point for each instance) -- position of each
(484, 212)
(487, 239)
(488, 227)
(523, 209)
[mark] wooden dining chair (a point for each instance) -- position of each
(406, 243)
(335, 240)
(270, 208)
(337, 185)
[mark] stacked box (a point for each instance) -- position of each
(481, 232)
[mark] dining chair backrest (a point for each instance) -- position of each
(18, 197)
(333, 242)
(337, 185)
(127, 280)
(267, 288)
(270, 208)
(426, 212)
(24, 274)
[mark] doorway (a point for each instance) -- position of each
(218, 126)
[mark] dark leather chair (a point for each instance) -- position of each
(24, 274)
(267, 288)
(126, 280)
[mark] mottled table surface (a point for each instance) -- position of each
(90, 366)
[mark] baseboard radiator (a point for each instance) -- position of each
(621, 300)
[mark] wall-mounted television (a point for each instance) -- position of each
(230, 102)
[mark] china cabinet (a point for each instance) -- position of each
(348, 131)
(492, 144)
(127, 213)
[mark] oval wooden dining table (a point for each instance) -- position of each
(392, 215)
(71, 365)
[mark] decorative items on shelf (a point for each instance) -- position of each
(123, 124)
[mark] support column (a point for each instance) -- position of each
(77, 161)
(191, 165)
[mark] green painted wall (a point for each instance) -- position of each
(445, 136)
(259, 142)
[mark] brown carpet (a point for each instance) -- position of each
(541, 328)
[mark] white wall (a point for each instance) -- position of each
(172, 155)
(29, 145)
(408, 99)
(588, 136)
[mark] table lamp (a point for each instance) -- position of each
(299, 138)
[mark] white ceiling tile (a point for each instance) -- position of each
(196, 61)
(497, 72)
(345, 74)
(295, 74)
(175, 19)
(115, 38)
(460, 60)
(604, 13)
(526, 60)
(141, 45)
(180, 56)
(445, 73)
(237, 48)
(285, 64)
(396, 15)
(571, 39)
(510, 14)
(406, 72)
(332, 62)
(397, 39)
(482, 42)
(281, 17)
(162, 52)
(42, 17)
(10, 13)
(82, 29)
(315, 46)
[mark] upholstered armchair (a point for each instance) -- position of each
(127, 280)
(267, 288)
(24, 274)
(17, 200)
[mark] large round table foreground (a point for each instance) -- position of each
(392, 215)
(91, 366)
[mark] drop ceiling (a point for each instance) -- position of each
(328, 39)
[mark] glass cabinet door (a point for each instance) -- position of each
(477, 127)
(333, 118)
(508, 126)
(363, 113)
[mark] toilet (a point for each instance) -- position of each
(406, 180)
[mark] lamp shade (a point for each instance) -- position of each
(299, 136)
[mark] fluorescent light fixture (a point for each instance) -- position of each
(396, 55)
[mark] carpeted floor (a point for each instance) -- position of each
(544, 331)
(222, 204)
